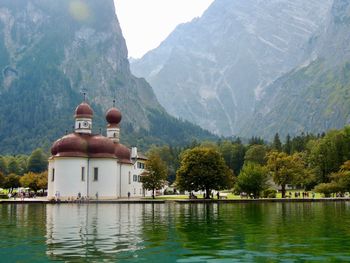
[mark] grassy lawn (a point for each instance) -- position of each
(4, 191)
(177, 197)
(169, 197)
(232, 196)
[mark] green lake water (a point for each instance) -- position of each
(263, 232)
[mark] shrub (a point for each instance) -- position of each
(327, 188)
(3, 196)
(269, 193)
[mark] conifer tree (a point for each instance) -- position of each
(287, 147)
(277, 145)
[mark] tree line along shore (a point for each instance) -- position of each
(318, 165)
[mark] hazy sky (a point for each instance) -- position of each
(146, 23)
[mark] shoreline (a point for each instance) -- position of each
(180, 201)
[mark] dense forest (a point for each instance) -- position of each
(306, 161)
(24, 170)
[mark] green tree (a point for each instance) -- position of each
(256, 154)
(256, 140)
(345, 166)
(233, 154)
(37, 161)
(253, 179)
(340, 181)
(170, 155)
(156, 173)
(42, 180)
(34, 181)
(203, 169)
(3, 165)
(11, 182)
(2, 179)
(285, 169)
(209, 144)
(328, 153)
(13, 167)
(277, 145)
(327, 188)
(22, 163)
(299, 143)
(287, 147)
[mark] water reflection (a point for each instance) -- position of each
(93, 230)
(198, 232)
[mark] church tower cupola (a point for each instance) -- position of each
(83, 118)
(113, 117)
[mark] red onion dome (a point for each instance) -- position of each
(84, 111)
(54, 148)
(123, 153)
(100, 146)
(71, 145)
(113, 116)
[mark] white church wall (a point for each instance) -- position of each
(131, 181)
(139, 168)
(126, 173)
(68, 181)
(107, 183)
(50, 186)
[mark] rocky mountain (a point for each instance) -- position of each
(315, 96)
(213, 70)
(51, 51)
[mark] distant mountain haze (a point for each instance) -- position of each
(216, 70)
(51, 51)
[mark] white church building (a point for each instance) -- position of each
(86, 165)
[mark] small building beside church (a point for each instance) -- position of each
(86, 165)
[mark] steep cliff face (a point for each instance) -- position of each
(315, 96)
(213, 70)
(51, 51)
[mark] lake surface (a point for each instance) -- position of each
(263, 232)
